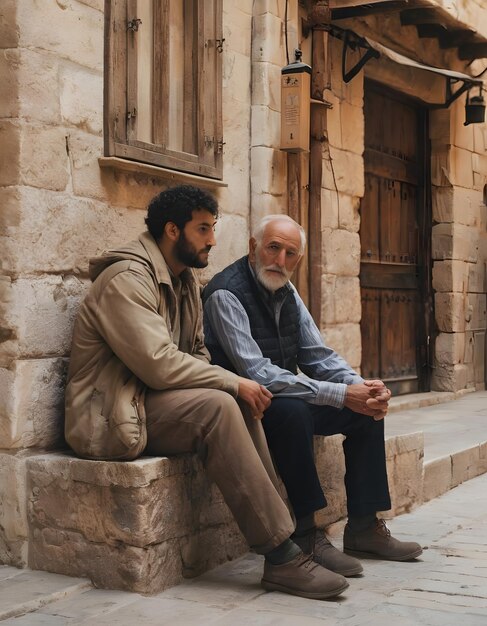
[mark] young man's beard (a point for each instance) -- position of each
(187, 253)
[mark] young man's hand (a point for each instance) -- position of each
(255, 395)
(370, 398)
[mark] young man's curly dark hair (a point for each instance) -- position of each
(177, 205)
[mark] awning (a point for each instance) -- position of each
(403, 60)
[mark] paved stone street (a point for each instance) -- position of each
(446, 586)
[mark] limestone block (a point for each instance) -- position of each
(456, 204)
(348, 212)
(469, 348)
(334, 120)
(440, 163)
(75, 33)
(134, 526)
(236, 78)
(483, 457)
(461, 172)
(330, 464)
(479, 181)
(465, 465)
(479, 138)
(341, 299)
(10, 152)
(455, 241)
(81, 98)
(44, 159)
(275, 7)
(265, 127)
(33, 403)
(461, 136)
(341, 252)
(329, 209)
(449, 377)
(9, 67)
(237, 28)
(450, 348)
(268, 39)
(404, 457)
(38, 87)
(343, 171)
(9, 28)
(347, 341)
(14, 530)
(450, 312)
(8, 330)
(476, 311)
(266, 85)
(450, 276)
(268, 169)
(66, 231)
(265, 204)
(440, 125)
(94, 4)
(437, 478)
(42, 314)
(476, 277)
(232, 238)
(353, 130)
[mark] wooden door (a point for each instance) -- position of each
(394, 270)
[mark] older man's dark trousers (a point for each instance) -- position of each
(290, 425)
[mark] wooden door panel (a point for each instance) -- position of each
(392, 309)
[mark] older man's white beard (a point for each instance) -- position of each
(271, 276)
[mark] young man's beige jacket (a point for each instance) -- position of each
(123, 343)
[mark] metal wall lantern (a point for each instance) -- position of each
(475, 109)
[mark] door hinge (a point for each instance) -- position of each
(134, 24)
(132, 114)
(219, 146)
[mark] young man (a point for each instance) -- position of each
(257, 325)
(138, 355)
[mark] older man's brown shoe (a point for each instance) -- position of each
(376, 542)
(316, 543)
(303, 577)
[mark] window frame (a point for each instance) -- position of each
(120, 90)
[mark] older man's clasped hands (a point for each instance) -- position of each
(370, 398)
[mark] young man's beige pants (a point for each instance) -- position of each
(234, 452)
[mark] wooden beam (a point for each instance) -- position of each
(469, 51)
(411, 17)
(367, 8)
(431, 30)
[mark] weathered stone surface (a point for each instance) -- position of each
(450, 348)
(79, 37)
(41, 314)
(13, 515)
(341, 299)
(450, 276)
(450, 311)
(136, 526)
(347, 341)
(38, 76)
(465, 465)
(455, 241)
(440, 125)
(81, 98)
(43, 157)
(268, 39)
(341, 252)
(344, 171)
(404, 456)
(330, 464)
(352, 128)
(437, 478)
(9, 65)
(63, 232)
(266, 82)
(10, 153)
(339, 210)
(9, 29)
(268, 171)
(33, 403)
(476, 313)
(265, 127)
(449, 377)
(232, 243)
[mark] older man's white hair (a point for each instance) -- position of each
(258, 231)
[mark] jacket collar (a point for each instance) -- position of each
(159, 265)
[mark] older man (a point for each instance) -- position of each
(257, 326)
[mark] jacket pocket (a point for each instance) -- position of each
(127, 418)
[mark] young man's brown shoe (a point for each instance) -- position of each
(303, 577)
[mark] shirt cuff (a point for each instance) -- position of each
(332, 394)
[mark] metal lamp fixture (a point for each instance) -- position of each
(475, 109)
